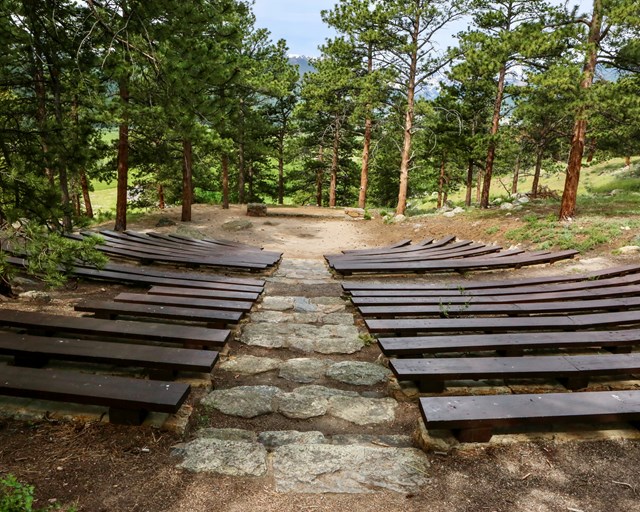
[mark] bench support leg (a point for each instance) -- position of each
(620, 350)
(126, 416)
(430, 386)
(473, 435)
(160, 374)
(30, 361)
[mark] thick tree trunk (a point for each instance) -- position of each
(570, 194)
(187, 180)
(251, 197)
(333, 185)
(627, 162)
(495, 125)
(319, 177)
(123, 159)
(63, 177)
(366, 147)
(281, 169)
(84, 185)
(225, 181)
(441, 182)
(536, 175)
(479, 181)
(242, 173)
(408, 121)
(467, 199)
(516, 176)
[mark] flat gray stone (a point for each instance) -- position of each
(277, 303)
(304, 369)
(337, 319)
(349, 469)
(276, 438)
(35, 296)
(324, 392)
(233, 458)
(302, 305)
(300, 406)
(395, 441)
(237, 225)
(227, 434)
(358, 373)
(362, 411)
(265, 335)
(243, 401)
(250, 365)
(327, 301)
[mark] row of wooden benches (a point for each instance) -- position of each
(508, 317)
(130, 343)
(443, 255)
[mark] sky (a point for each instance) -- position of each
(299, 22)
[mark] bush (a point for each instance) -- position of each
(18, 497)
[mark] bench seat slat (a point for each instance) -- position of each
(203, 294)
(168, 300)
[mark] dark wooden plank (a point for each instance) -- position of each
(203, 294)
(103, 352)
(568, 322)
(119, 329)
(458, 250)
(407, 346)
(108, 309)
(102, 390)
(523, 309)
(401, 243)
(168, 300)
(416, 252)
(493, 411)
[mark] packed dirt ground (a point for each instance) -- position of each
(100, 467)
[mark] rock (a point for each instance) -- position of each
(457, 210)
(627, 249)
(256, 210)
(354, 212)
(398, 219)
(434, 440)
(323, 468)
(243, 401)
(237, 225)
(449, 214)
(24, 282)
(164, 222)
(186, 230)
(35, 296)
(324, 392)
(302, 305)
(358, 373)
(303, 369)
(277, 303)
(227, 434)
(275, 439)
(497, 200)
(338, 319)
(233, 458)
(524, 199)
(250, 365)
(299, 406)
(507, 206)
(362, 411)
(265, 335)
(396, 441)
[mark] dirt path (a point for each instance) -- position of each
(101, 467)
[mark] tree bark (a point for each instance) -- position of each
(536, 175)
(495, 124)
(467, 199)
(366, 148)
(123, 158)
(479, 186)
(441, 181)
(84, 185)
(187, 180)
(570, 194)
(319, 177)
(241, 174)
(408, 121)
(334, 164)
(281, 169)
(161, 203)
(516, 176)
(225, 181)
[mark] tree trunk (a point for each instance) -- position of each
(161, 203)
(319, 177)
(408, 121)
(281, 169)
(495, 124)
(516, 176)
(591, 151)
(84, 184)
(570, 194)
(441, 181)
(334, 164)
(123, 158)
(187, 180)
(467, 199)
(479, 181)
(63, 177)
(627, 162)
(242, 173)
(250, 182)
(225, 181)
(536, 175)
(366, 148)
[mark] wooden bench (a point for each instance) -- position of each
(110, 310)
(501, 324)
(129, 400)
(475, 418)
(126, 330)
(573, 371)
(203, 294)
(190, 302)
(522, 309)
(162, 362)
(510, 344)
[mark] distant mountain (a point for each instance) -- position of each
(303, 64)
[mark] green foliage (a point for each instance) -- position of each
(18, 497)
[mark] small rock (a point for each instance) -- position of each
(164, 222)
(233, 458)
(191, 232)
(358, 373)
(458, 210)
(449, 214)
(237, 225)
(398, 219)
(506, 206)
(362, 411)
(276, 438)
(300, 406)
(524, 200)
(227, 434)
(35, 296)
(256, 210)
(302, 305)
(629, 249)
(24, 282)
(243, 401)
(303, 369)
(354, 212)
(250, 365)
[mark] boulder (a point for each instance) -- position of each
(256, 210)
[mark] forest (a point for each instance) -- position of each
(185, 102)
